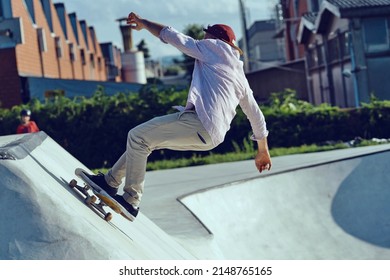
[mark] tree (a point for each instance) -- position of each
(142, 46)
(172, 70)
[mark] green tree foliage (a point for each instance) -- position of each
(172, 70)
(142, 46)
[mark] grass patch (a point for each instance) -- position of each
(247, 153)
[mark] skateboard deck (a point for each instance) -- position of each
(105, 198)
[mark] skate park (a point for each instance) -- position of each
(329, 205)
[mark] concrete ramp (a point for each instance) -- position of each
(330, 205)
(42, 218)
(334, 210)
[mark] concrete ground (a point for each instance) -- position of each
(328, 205)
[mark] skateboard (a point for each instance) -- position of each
(104, 198)
(90, 200)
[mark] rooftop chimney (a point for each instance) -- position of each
(126, 34)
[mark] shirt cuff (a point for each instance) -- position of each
(254, 138)
(162, 34)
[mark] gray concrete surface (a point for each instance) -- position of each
(329, 205)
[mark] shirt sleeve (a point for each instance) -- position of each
(182, 42)
(33, 127)
(255, 116)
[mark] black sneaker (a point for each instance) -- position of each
(133, 211)
(101, 182)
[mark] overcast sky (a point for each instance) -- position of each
(101, 14)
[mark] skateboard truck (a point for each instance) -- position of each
(90, 200)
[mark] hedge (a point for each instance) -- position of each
(94, 130)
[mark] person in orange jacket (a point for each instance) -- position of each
(26, 124)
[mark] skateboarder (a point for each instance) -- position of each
(218, 87)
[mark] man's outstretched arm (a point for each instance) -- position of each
(138, 23)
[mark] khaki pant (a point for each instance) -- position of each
(180, 131)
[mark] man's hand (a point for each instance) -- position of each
(138, 23)
(263, 158)
(135, 21)
(263, 161)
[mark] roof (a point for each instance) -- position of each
(357, 8)
(319, 23)
(353, 4)
(310, 17)
(262, 25)
(306, 26)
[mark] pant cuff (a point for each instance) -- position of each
(131, 200)
(111, 180)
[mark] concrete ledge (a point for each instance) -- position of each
(21, 145)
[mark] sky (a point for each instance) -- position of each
(102, 15)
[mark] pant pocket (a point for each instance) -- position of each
(184, 113)
(201, 138)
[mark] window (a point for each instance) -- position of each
(58, 46)
(72, 54)
(99, 63)
(42, 40)
(258, 53)
(320, 55)
(315, 56)
(376, 34)
(92, 60)
(82, 56)
(311, 58)
(333, 49)
(344, 44)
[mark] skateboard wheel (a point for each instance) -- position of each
(108, 217)
(93, 199)
(73, 183)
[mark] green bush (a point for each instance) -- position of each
(95, 129)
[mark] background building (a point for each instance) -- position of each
(39, 39)
(346, 46)
(112, 57)
(264, 48)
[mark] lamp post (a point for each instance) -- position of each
(245, 47)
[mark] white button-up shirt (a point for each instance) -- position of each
(218, 85)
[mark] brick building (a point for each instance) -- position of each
(40, 39)
(293, 10)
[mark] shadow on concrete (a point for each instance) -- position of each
(361, 206)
